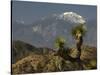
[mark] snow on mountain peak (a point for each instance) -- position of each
(72, 17)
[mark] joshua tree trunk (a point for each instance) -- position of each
(61, 47)
(79, 43)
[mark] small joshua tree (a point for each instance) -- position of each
(78, 32)
(59, 43)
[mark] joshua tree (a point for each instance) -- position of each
(59, 43)
(78, 32)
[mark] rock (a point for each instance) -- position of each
(30, 64)
(88, 53)
(74, 53)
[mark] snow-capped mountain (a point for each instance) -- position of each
(72, 17)
(44, 31)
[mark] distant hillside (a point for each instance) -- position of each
(29, 59)
(21, 49)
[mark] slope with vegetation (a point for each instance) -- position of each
(50, 61)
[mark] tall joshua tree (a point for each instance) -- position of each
(78, 33)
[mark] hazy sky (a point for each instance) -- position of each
(28, 12)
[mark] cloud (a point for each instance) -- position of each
(20, 21)
(37, 28)
(72, 17)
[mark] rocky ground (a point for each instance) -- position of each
(53, 62)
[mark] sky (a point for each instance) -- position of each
(28, 12)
